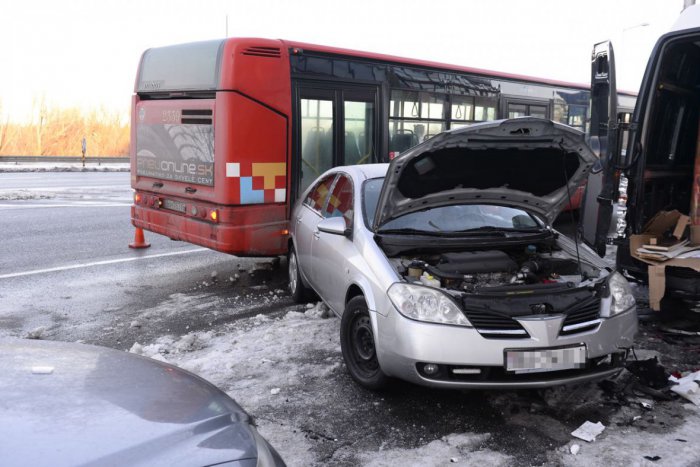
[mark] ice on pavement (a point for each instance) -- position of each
(269, 363)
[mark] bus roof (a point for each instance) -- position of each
(430, 64)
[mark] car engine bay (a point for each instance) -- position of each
(495, 270)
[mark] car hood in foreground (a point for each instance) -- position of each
(529, 163)
(73, 404)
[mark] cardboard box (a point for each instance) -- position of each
(659, 224)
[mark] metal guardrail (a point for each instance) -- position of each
(66, 159)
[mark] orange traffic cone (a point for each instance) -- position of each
(139, 240)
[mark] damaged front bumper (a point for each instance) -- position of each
(461, 357)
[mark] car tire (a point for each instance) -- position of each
(299, 292)
(357, 345)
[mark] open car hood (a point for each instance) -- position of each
(529, 163)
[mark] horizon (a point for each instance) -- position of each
(85, 54)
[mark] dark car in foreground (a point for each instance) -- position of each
(65, 404)
(446, 270)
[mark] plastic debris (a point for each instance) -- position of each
(42, 370)
(588, 431)
(687, 386)
(574, 449)
(274, 391)
(652, 458)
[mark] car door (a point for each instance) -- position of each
(598, 201)
(332, 251)
(306, 224)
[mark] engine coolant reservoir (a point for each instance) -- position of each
(430, 281)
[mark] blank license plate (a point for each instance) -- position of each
(174, 205)
(534, 361)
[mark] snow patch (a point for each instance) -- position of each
(460, 449)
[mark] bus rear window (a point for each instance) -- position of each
(185, 67)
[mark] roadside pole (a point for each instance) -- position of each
(84, 145)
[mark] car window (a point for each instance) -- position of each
(340, 202)
(447, 218)
(317, 196)
(370, 196)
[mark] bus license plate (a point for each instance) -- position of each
(534, 361)
(174, 205)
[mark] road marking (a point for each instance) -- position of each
(98, 263)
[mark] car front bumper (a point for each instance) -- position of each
(404, 345)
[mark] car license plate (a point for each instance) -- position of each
(174, 205)
(539, 360)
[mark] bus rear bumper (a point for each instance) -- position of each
(242, 231)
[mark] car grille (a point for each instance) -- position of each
(584, 316)
(581, 316)
(496, 325)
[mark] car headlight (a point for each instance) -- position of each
(426, 304)
(620, 293)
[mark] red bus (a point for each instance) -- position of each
(226, 134)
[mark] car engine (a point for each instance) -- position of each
(471, 271)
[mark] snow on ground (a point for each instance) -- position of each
(62, 167)
(276, 366)
(24, 195)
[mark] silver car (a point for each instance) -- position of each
(445, 270)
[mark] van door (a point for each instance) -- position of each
(597, 205)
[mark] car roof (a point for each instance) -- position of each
(362, 171)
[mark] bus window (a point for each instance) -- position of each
(359, 132)
(522, 110)
(577, 116)
(560, 113)
(316, 138)
(413, 118)
(462, 110)
(485, 109)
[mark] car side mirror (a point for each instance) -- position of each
(334, 225)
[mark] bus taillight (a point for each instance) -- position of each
(214, 215)
(137, 198)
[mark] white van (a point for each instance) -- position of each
(658, 154)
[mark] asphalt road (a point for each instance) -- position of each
(66, 271)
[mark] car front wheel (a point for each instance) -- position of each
(357, 345)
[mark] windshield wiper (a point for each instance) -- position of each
(492, 229)
(408, 230)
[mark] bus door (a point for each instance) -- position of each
(521, 108)
(597, 207)
(334, 126)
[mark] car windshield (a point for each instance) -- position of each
(458, 218)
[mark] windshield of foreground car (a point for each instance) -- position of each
(448, 219)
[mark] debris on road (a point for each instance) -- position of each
(589, 431)
(574, 449)
(687, 387)
(36, 333)
(274, 391)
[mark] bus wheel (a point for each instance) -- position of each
(357, 345)
(297, 289)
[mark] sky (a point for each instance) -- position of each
(84, 53)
